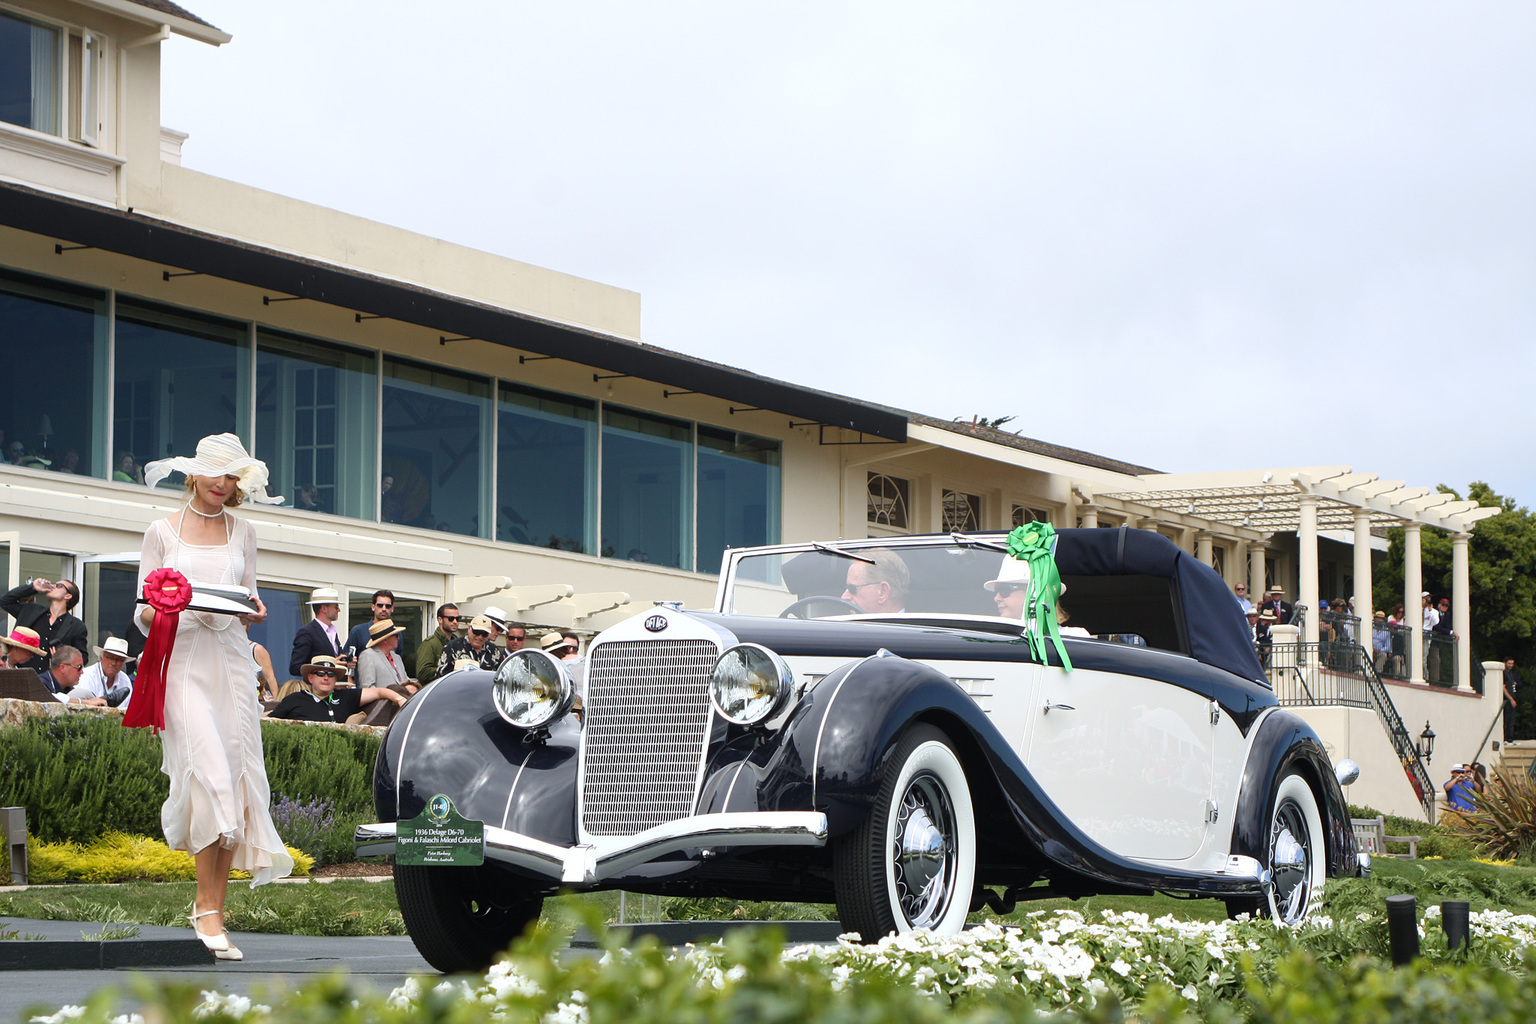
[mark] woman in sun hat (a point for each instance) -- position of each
(219, 808)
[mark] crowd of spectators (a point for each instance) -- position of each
(361, 677)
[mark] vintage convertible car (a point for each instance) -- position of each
(906, 763)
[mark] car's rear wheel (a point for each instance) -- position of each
(912, 863)
(1295, 859)
(451, 916)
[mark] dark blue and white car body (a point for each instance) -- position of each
(910, 766)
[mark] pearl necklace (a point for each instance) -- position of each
(205, 515)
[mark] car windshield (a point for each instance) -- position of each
(964, 575)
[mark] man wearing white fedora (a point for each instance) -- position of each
(317, 636)
(106, 680)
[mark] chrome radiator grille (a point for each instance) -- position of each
(647, 706)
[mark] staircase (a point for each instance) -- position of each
(1518, 756)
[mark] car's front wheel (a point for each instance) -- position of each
(461, 917)
(1296, 856)
(912, 863)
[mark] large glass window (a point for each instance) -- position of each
(738, 493)
(546, 469)
(179, 377)
(29, 74)
(436, 472)
(317, 424)
(53, 391)
(647, 488)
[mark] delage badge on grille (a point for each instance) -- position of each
(656, 623)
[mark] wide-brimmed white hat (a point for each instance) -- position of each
(496, 615)
(115, 647)
(1013, 570)
(324, 595)
(218, 455)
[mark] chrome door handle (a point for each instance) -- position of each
(1058, 707)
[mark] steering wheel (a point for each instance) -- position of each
(798, 609)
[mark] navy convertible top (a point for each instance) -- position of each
(1115, 584)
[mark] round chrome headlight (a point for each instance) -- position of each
(532, 689)
(749, 683)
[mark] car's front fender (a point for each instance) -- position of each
(450, 740)
(1285, 743)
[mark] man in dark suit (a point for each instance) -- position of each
(1277, 605)
(317, 636)
(51, 620)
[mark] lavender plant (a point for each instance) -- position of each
(304, 824)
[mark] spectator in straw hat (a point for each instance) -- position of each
(321, 701)
(473, 650)
(24, 649)
(107, 679)
(319, 635)
(559, 645)
(379, 665)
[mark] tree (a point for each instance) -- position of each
(1501, 563)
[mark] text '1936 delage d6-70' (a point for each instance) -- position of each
(915, 728)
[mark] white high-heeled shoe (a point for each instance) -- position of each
(219, 945)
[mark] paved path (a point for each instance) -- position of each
(271, 961)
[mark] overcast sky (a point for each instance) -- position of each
(1190, 236)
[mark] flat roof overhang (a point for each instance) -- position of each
(181, 248)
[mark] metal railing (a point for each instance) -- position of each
(1441, 665)
(1332, 673)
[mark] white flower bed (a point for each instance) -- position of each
(1060, 959)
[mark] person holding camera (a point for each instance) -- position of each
(1460, 787)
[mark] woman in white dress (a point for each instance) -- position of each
(219, 808)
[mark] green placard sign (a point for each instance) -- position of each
(440, 836)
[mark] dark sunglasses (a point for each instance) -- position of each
(449, 618)
(376, 604)
(1004, 589)
(324, 672)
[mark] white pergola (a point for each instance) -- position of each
(1253, 504)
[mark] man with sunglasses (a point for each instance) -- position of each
(877, 582)
(431, 649)
(383, 608)
(51, 620)
(322, 702)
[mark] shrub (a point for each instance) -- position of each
(82, 776)
(116, 857)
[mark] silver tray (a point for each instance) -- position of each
(214, 597)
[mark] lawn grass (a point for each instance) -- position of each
(347, 907)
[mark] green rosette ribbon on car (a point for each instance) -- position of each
(1035, 543)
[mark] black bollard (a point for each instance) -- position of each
(1403, 929)
(1455, 919)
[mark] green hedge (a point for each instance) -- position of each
(82, 776)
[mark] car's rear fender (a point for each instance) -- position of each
(1282, 744)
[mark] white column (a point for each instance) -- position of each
(1306, 536)
(1257, 552)
(1203, 547)
(1493, 690)
(1461, 609)
(1413, 607)
(1089, 515)
(1362, 593)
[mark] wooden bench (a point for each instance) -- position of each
(1371, 837)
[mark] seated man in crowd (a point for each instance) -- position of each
(474, 649)
(106, 680)
(64, 667)
(322, 702)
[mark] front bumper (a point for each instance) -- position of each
(608, 856)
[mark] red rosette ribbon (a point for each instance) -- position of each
(168, 593)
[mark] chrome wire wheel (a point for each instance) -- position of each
(1295, 852)
(912, 862)
(923, 852)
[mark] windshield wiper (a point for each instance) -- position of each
(829, 549)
